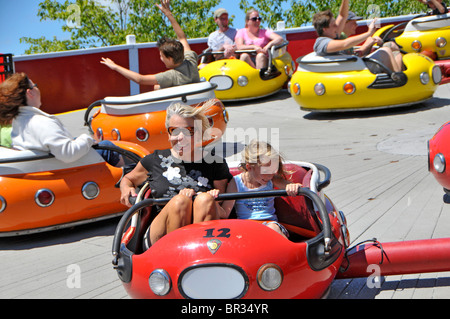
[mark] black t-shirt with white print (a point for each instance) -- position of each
(168, 175)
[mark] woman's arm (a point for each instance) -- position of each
(49, 133)
(129, 183)
(275, 39)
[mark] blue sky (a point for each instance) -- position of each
(18, 18)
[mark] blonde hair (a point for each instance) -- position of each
(259, 153)
(187, 111)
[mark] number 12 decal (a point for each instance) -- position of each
(222, 232)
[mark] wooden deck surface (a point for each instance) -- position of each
(379, 180)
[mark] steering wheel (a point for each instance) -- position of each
(132, 156)
(122, 256)
(87, 120)
(391, 30)
(384, 67)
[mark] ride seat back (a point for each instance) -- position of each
(331, 63)
(158, 100)
(427, 23)
(297, 211)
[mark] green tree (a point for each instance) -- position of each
(92, 23)
(296, 13)
(42, 44)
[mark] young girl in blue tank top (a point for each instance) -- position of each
(262, 170)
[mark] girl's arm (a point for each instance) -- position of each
(227, 206)
(281, 183)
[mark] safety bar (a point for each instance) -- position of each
(226, 196)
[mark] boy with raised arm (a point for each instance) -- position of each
(176, 55)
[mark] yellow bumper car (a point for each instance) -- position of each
(236, 80)
(347, 83)
(428, 33)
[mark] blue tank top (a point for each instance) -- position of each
(254, 208)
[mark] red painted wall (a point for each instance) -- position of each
(73, 80)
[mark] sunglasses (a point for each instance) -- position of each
(175, 131)
(256, 19)
(33, 86)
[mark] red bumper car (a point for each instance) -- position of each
(243, 259)
(439, 155)
(237, 258)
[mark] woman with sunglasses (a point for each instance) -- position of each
(34, 129)
(253, 37)
(180, 172)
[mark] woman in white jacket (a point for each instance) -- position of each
(33, 129)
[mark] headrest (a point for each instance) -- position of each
(330, 63)
(158, 100)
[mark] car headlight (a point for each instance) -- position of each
(424, 78)
(270, 277)
(287, 70)
(90, 190)
(2, 204)
(439, 163)
(44, 197)
(99, 134)
(319, 88)
(436, 73)
(345, 232)
(142, 134)
(296, 89)
(242, 80)
(416, 45)
(160, 282)
(115, 134)
(349, 88)
(441, 42)
(226, 117)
